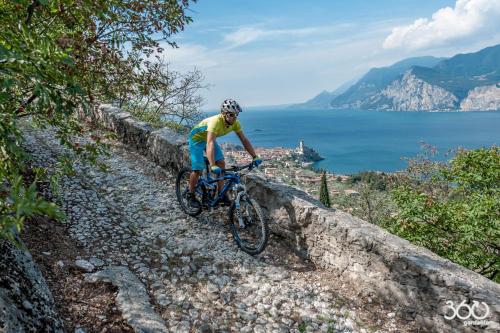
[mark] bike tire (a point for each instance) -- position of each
(260, 223)
(181, 189)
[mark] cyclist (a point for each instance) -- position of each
(202, 138)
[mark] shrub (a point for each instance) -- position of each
(453, 208)
(375, 180)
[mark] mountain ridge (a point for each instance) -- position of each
(465, 82)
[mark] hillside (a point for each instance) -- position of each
(377, 79)
(464, 72)
(323, 99)
(466, 82)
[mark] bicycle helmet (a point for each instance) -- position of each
(230, 105)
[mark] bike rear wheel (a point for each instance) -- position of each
(182, 189)
(253, 234)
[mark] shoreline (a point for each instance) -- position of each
(280, 166)
(240, 156)
(357, 141)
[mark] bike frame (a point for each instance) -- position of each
(231, 178)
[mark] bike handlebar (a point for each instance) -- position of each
(236, 168)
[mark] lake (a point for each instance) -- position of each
(353, 140)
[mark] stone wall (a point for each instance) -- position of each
(415, 281)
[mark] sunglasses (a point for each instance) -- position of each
(232, 115)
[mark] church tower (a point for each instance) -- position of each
(301, 146)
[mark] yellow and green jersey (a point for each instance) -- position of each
(216, 125)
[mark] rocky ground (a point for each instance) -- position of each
(81, 306)
(172, 272)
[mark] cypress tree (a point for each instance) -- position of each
(324, 196)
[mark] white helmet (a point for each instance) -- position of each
(230, 105)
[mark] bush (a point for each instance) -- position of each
(371, 205)
(453, 208)
(375, 180)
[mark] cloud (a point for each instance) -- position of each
(469, 19)
(188, 56)
(245, 35)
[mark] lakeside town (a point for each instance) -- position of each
(293, 167)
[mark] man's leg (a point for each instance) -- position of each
(219, 161)
(193, 180)
(220, 184)
(197, 165)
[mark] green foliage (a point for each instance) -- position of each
(371, 204)
(453, 208)
(316, 170)
(324, 195)
(368, 203)
(57, 58)
(375, 180)
(21, 202)
(372, 201)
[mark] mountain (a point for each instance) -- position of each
(377, 79)
(323, 99)
(464, 82)
(464, 72)
(409, 93)
(320, 101)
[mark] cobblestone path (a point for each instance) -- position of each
(196, 278)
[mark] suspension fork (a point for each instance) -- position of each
(241, 192)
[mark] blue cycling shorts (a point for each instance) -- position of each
(196, 150)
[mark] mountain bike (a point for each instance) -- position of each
(248, 225)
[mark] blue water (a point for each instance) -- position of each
(353, 141)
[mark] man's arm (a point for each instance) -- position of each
(211, 147)
(248, 146)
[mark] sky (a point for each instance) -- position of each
(270, 52)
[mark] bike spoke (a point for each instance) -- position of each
(182, 189)
(252, 235)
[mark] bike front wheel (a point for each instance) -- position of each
(182, 190)
(248, 226)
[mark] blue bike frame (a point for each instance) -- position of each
(205, 184)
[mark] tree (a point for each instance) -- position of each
(376, 181)
(324, 195)
(453, 208)
(370, 204)
(165, 97)
(60, 57)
